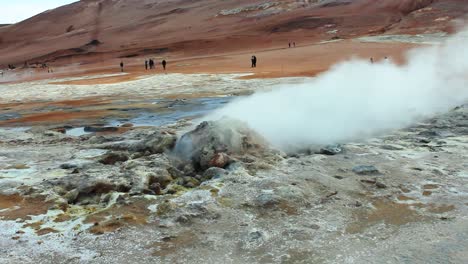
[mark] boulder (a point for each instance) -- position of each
(212, 143)
(219, 160)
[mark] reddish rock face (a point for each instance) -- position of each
(220, 160)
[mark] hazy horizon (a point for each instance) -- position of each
(12, 12)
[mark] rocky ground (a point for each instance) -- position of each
(220, 193)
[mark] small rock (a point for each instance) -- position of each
(60, 130)
(71, 196)
(213, 173)
(113, 157)
(163, 179)
(380, 185)
(369, 181)
(331, 150)
(67, 166)
(365, 170)
(93, 129)
(190, 182)
(391, 147)
(255, 235)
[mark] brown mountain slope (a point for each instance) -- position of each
(187, 28)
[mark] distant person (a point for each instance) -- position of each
(151, 64)
(164, 63)
(371, 60)
(290, 44)
(121, 66)
(294, 44)
(254, 62)
(146, 64)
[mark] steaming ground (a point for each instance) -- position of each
(124, 198)
(357, 99)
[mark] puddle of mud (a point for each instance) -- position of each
(117, 216)
(13, 207)
(384, 211)
(171, 245)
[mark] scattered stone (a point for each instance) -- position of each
(189, 182)
(338, 177)
(113, 157)
(331, 150)
(425, 141)
(369, 181)
(60, 130)
(213, 173)
(156, 143)
(314, 226)
(94, 129)
(365, 170)
(430, 186)
(426, 193)
(255, 235)
(162, 179)
(71, 196)
(391, 147)
(68, 166)
(380, 185)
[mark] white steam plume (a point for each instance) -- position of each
(357, 99)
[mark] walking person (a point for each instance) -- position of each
(254, 62)
(121, 66)
(164, 63)
(146, 64)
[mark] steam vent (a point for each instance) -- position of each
(282, 132)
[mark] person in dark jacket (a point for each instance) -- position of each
(254, 62)
(164, 63)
